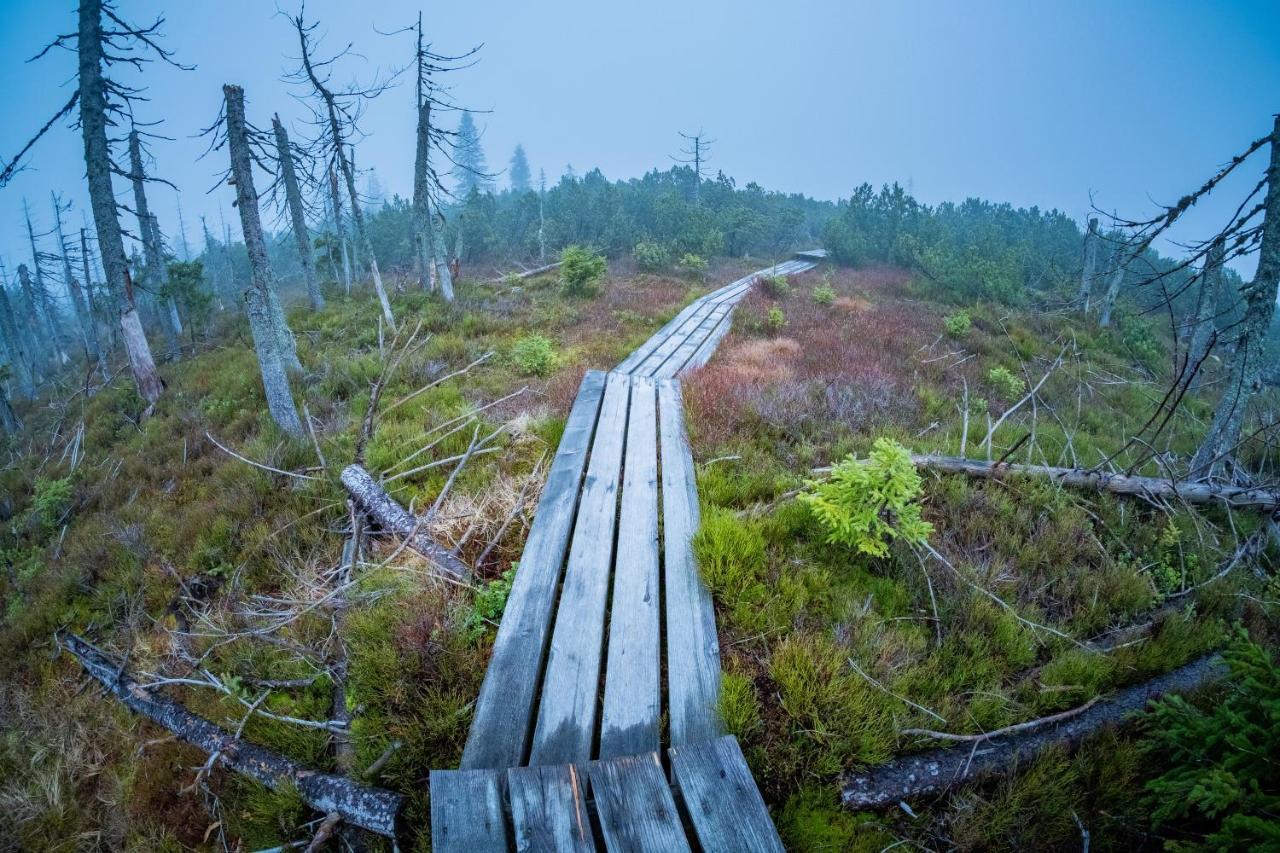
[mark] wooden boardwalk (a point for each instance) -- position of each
(565, 750)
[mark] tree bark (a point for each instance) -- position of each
(373, 500)
(433, 270)
(297, 215)
(266, 341)
(97, 158)
(374, 809)
(15, 340)
(1090, 263)
(937, 771)
(1243, 377)
(339, 230)
(1238, 497)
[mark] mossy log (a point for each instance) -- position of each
(374, 501)
(937, 771)
(374, 809)
(1239, 497)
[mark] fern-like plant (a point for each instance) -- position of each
(868, 503)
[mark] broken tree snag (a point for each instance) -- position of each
(374, 809)
(1239, 497)
(937, 771)
(373, 500)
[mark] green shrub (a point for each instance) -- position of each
(867, 503)
(489, 603)
(534, 355)
(580, 269)
(958, 324)
(692, 265)
(776, 319)
(824, 294)
(775, 286)
(1222, 782)
(651, 256)
(1005, 382)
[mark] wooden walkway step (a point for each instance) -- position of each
(621, 804)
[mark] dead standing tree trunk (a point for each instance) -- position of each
(1113, 287)
(1204, 322)
(297, 214)
(157, 271)
(266, 342)
(332, 116)
(340, 231)
(16, 340)
(1244, 372)
(83, 312)
(1090, 263)
(97, 157)
(38, 296)
(433, 266)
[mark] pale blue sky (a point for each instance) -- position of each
(1032, 103)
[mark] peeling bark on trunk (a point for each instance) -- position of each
(97, 157)
(395, 519)
(297, 214)
(266, 340)
(1238, 497)
(1090, 263)
(374, 809)
(434, 271)
(931, 773)
(1243, 377)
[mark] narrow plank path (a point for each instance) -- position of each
(566, 749)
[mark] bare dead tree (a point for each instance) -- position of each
(266, 341)
(1090, 269)
(696, 154)
(340, 231)
(338, 113)
(297, 214)
(37, 293)
(16, 345)
(1114, 283)
(103, 102)
(83, 311)
(1204, 320)
(156, 270)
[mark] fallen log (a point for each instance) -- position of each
(374, 809)
(937, 771)
(374, 501)
(1240, 497)
(526, 274)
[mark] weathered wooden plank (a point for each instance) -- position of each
(549, 809)
(676, 361)
(500, 731)
(673, 341)
(693, 652)
(466, 812)
(637, 812)
(722, 799)
(570, 688)
(633, 688)
(641, 352)
(709, 345)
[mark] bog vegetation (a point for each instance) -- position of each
(176, 425)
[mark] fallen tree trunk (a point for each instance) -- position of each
(937, 771)
(1240, 497)
(374, 809)
(526, 274)
(374, 501)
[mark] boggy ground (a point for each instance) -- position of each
(142, 535)
(829, 654)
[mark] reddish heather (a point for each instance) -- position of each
(850, 364)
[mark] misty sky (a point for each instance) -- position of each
(1031, 103)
